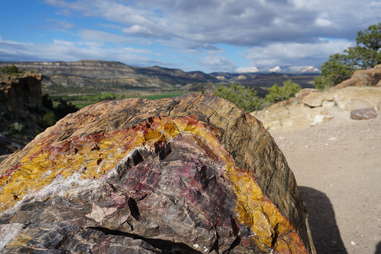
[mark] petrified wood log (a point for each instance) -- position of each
(185, 175)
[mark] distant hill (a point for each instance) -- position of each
(106, 75)
(97, 76)
(259, 79)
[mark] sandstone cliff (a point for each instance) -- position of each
(186, 175)
(20, 103)
(20, 91)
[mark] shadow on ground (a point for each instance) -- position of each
(378, 248)
(322, 220)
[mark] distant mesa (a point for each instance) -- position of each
(290, 69)
(108, 74)
(105, 75)
(294, 69)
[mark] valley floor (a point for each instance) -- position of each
(338, 168)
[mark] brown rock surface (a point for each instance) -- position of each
(311, 107)
(369, 77)
(20, 91)
(21, 110)
(187, 175)
(363, 114)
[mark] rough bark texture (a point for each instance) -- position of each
(186, 175)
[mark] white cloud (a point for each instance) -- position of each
(275, 69)
(59, 24)
(277, 32)
(139, 30)
(96, 35)
(323, 22)
(247, 69)
(302, 69)
(218, 63)
(295, 53)
(244, 22)
(71, 51)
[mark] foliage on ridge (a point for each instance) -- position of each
(366, 54)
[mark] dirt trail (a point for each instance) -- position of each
(338, 168)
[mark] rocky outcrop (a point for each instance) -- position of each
(369, 77)
(311, 107)
(20, 110)
(185, 175)
(21, 91)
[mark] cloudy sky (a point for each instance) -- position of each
(206, 35)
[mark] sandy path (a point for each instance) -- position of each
(338, 168)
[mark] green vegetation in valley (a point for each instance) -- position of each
(248, 100)
(366, 54)
(57, 108)
(22, 122)
(10, 70)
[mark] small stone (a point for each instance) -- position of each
(363, 114)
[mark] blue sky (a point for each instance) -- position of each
(206, 35)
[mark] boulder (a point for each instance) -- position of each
(3, 157)
(186, 175)
(369, 77)
(363, 114)
(311, 107)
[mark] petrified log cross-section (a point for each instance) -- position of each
(187, 175)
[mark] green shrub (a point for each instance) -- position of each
(48, 119)
(281, 93)
(244, 97)
(16, 127)
(63, 108)
(11, 69)
(334, 71)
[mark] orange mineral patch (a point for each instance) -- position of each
(93, 156)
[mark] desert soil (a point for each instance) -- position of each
(338, 168)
